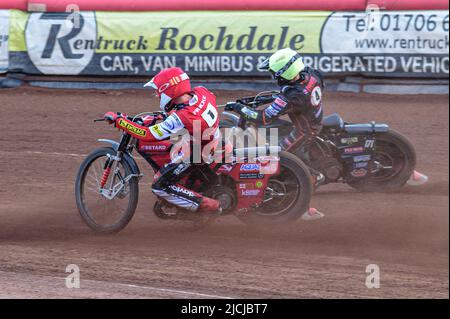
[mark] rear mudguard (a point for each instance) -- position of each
(366, 128)
(334, 122)
(126, 156)
(350, 128)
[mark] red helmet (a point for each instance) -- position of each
(170, 84)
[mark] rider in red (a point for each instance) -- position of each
(184, 106)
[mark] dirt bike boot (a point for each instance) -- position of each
(417, 179)
(312, 214)
(318, 179)
(210, 205)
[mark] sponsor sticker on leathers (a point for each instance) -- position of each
(157, 130)
(136, 130)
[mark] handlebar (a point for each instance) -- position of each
(155, 114)
(261, 98)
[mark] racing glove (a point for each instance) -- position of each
(112, 117)
(246, 112)
(137, 128)
(231, 106)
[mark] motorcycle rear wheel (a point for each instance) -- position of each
(295, 178)
(88, 197)
(393, 149)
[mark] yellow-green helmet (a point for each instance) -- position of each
(285, 63)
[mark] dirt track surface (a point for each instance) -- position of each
(44, 135)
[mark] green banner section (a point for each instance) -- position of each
(17, 24)
(194, 32)
(208, 32)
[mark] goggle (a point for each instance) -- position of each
(172, 81)
(286, 66)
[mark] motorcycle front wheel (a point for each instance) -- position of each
(102, 214)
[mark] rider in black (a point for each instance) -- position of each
(300, 97)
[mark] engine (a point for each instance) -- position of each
(330, 167)
(319, 156)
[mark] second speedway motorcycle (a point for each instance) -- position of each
(265, 189)
(368, 157)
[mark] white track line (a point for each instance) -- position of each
(51, 154)
(163, 290)
(43, 153)
(176, 291)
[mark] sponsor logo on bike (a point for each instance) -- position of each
(250, 167)
(361, 164)
(250, 192)
(251, 176)
(153, 148)
(256, 185)
(349, 140)
(361, 158)
(360, 172)
(350, 150)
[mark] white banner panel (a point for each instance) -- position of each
(4, 37)
(387, 32)
(54, 41)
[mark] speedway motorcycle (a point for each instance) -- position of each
(258, 187)
(368, 157)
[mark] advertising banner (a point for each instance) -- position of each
(406, 43)
(402, 43)
(4, 36)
